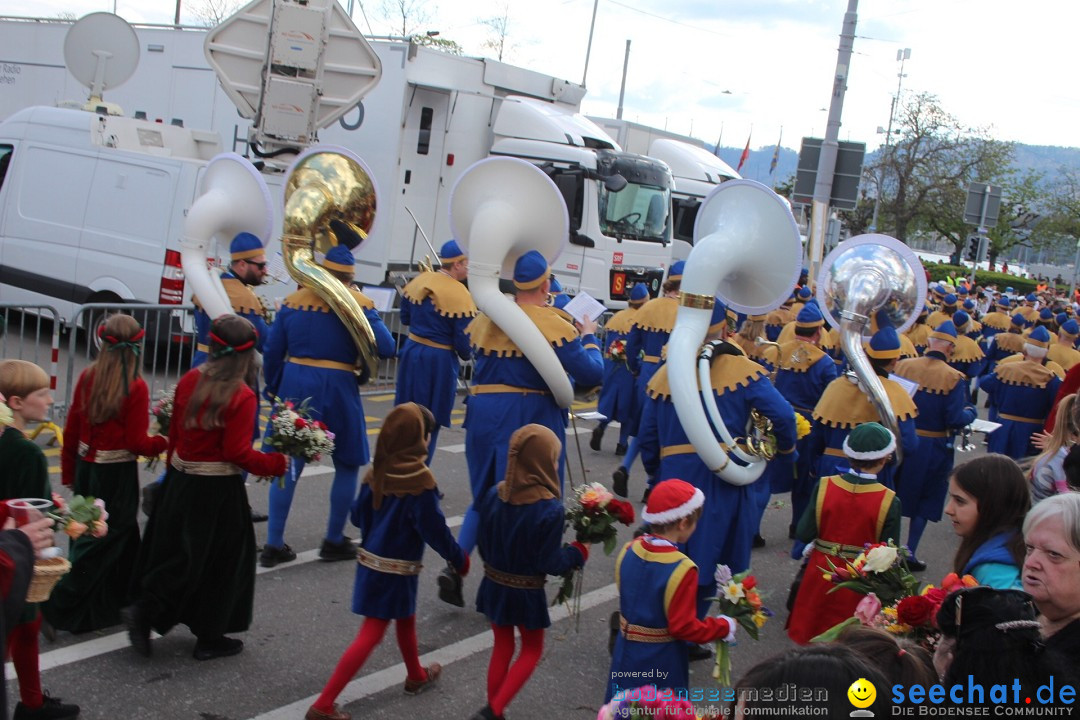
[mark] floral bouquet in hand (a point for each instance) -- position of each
(738, 598)
(880, 569)
(593, 513)
(617, 351)
(162, 411)
(80, 516)
(294, 432)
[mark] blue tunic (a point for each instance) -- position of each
(645, 345)
(729, 519)
(1022, 394)
(521, 540)
(398, 530)
(306, 329)
(618, 395)
(244, 303)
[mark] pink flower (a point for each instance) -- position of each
(58, 501)
(100, 504)
(868, 609)
(74, 529)
(100, 529)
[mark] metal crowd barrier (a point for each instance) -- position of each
(31, 332)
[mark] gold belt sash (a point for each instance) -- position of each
(106, 457)
(1017, 418)
(204, 468)
(849, 552)
(640, 633)
(835, 452)
(391, 566)
(521, 582)
(651, 358)
(202, 347)
(325, 364)
(932, 433)
(429, 343)
(500, 388)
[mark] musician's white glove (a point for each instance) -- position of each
(808, 549)
(730, 637)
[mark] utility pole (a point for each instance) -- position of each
(588, 48)
(827, 162)
(622, 88)
(901, 56)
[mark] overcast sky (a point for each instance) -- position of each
(728, 67)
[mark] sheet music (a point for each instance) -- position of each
(984, 426)
(910, 387)
(584, 305)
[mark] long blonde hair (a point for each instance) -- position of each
(116, 367)
(1066, 428)
(230, 366)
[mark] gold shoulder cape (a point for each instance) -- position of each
(241, 297)
(728, 373)
(907, 348)
(966, 350)
(844, 405)
(933, 375)
(1012, 342)
(305, 299)
(996, 321)
(780, 316)
(621, 321)
(919, 334)
(450, 298)
(1066, 357)
(489, 339)
(657, 315)
(1024, 372)
(798, 356)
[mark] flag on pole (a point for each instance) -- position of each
(776, 153)
(745, 155)
(716, 149)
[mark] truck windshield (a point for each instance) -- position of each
(637, 211)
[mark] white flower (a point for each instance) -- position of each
(733, 592)
(880, 559)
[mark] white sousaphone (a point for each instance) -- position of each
(233, 198)
(861, 277)
(501, 208)
(748, 253)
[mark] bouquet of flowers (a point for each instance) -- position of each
(648, 702)
(738, 598)
(81, 515)
(880, 569)
(802, 426)
(294, 432)
(593, 515)
(617, 351)
(162, 411)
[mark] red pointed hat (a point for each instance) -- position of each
(672, 500)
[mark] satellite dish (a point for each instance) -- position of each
(101, 50)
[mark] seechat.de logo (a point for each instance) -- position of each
(862, 694)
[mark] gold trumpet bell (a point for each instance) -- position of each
(330, 200)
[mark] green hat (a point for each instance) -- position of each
(869, 441)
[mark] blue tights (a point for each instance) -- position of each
(342, 494)
(915, 531)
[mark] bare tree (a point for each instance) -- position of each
(406, 17)
(498, 41)
(211, 13)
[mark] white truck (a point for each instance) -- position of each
(694, 170)
(430, 117)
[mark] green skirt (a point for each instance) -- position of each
(197, 563)
(91, 595)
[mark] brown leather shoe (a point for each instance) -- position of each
(337, 713)
(415, 687)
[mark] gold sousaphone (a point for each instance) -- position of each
(330, 200)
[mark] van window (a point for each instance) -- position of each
(5, 160)
(115, 218)
(685, 210)
(423, 143)
(572, 187)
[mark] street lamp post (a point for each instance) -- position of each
(902, 56)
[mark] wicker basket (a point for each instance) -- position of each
(46, 574)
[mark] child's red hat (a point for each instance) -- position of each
(672, 500)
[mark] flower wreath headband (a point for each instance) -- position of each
(229, 349)
(133, 344)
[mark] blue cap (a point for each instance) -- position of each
(810, 316)
(960, 319)
(1004, 303)
(1046, 315)
(676, 271)
(719, 317)
(969, 305)
(451, 252)
(1009, 289)
(530, 271)
(639, 293)
(950, 299)
(805, 293)
(1061, 318)
(937, 289)
(1070, 327)
(1019, 320)
(885, 343)
(339, 258)
(946, 330)
(561, 300)
(805, 272)
(244, 246)
(1040, 337)
(1031, 297)
(962, 290)
(556, 286)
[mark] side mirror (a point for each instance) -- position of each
(615, 183)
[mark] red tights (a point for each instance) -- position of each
(504, 680)
(370, 635)
(22, 645)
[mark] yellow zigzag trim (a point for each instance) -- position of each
(305, 299)
(844, 405)
(450, 298)
(489, 339)
(657, 315)
(728, 373)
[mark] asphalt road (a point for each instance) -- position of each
(303, 622)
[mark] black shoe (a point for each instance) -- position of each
(597, 435)
(272, 556)
(138, 628)
(149, 495)
(759, 541)
(48, 631)
(791, 532)
(217, 648)
(703, 651)
(331, 552)
(51, 709)
(450, 587)
(619, 479)
(645, 495)
(257, 516)
(915, 565)
(486, 713)
(613, 632)
(620, 449)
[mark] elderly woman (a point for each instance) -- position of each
(1051, 573)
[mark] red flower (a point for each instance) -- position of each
(749, 582)
(320, 424)
(915, 611)
(300, 422)
(623, 511)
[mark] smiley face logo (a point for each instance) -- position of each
(862, 693)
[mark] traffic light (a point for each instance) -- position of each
(973, 248)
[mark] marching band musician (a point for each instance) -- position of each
(966, 355)
(508, 393)
(802, 296)
(311, 355)
(944, 408)
(247, 269)
(778, 318)
(1021, 394)
(1004, 344)
(919, 333)
(729, 518)
(844, 405)
(1028, 308)
(437, 307)
(618, 398)
(1064, 352)
(943, 313)
(997, 321)
(649, 334)
(804, 373)
(974, 329)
